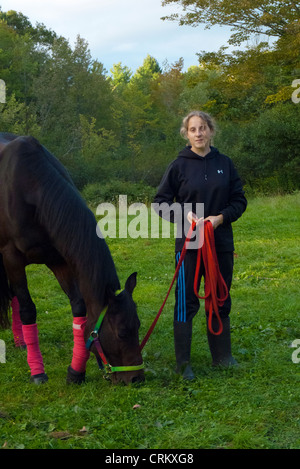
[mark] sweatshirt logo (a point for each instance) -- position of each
(220, 171)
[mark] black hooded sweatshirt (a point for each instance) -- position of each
(211, 180)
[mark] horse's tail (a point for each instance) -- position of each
(5, 297)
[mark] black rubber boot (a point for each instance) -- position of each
(75, 377)
(220, 345)
(182, 342)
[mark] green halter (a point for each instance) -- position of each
(94, 339)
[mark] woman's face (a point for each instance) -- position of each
(199, 135)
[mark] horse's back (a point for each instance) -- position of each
(16, 147)
(28, 172)
(6, 138)
(18, 155)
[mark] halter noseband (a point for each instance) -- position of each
(94, 339)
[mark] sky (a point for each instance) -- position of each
(123, 31)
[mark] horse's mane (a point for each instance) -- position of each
(68, 221)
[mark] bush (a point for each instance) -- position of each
(266, 150)
(97, 193)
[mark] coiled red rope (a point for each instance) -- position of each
(215, 292)
(215, 289)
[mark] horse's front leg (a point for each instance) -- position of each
(15, 268)
(17, 326)
(67, 281)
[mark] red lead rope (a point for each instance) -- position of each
(215, 291)
(183, 252)
(214, 282)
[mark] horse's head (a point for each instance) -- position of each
(119, 334)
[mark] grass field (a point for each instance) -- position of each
(254, 406)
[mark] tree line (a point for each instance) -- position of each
(121, 128)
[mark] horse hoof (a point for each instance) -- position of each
(75, 377)
(21, 347)
(39, 379)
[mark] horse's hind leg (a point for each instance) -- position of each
(17, 277)
(65, 277)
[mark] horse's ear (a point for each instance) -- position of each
(131, 283)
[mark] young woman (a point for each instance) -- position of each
(201, 174)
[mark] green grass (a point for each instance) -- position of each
(254, 406)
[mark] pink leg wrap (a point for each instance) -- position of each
(80, 353)
(34, 356)
(16, 323)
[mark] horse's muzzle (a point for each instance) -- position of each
(127, 377)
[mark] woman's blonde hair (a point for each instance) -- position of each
(203, 115)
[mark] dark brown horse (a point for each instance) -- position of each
(44, 220)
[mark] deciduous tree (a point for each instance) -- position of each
(245, 17)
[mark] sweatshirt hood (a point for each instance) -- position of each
(188, 153)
